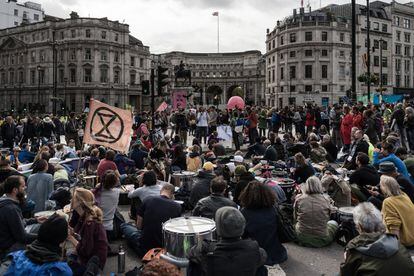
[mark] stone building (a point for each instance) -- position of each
(69, 61)
(14, 14)
(218, 76)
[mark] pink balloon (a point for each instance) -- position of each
(235, 102)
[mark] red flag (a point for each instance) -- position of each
(162, 107)
(215, 13)
(108, 126)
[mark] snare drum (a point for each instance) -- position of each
(183, 179)
(345, 214)
(288, 185)
(181, 234)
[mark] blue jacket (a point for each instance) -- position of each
(23, 266)
(399, 164)
(26, 156)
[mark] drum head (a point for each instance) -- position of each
(346, 210)
(189, 225)
(188, 173)
(44, 214)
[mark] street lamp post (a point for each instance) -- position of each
(65, 80)
(368, 55)
(381, 41)
(38, 87)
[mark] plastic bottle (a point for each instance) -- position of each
(121, 260)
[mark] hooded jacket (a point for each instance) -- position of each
(12, 226)
(241, 184)
(201, 187)
(207, 207)
(376, 254)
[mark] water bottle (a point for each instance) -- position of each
(121, 260)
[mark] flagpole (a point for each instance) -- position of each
(218, 33)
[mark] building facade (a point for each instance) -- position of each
(218, 76)
(14, 14)
(308, 55)
(69, 61)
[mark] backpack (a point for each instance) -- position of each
(345, 232)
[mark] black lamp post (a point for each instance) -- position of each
(65, 81)
(38, 87)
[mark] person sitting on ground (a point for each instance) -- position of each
(337, 188)
(148, 188)
(258, 209)
(373, 252)
(179, 159)
(86, 221)
(358, 145)
(387, 155)
(207, 207)
(312, 212)
(397, 211)
(153, 212)
(40, 186)
(50, 167)
(364, 176)
(194, 161)
(44, 255)
(330, 147)
(124, 164)
(107, 198)
(139, 153)
(107, 164)
(230, 255)
(26, 156)
(280, 148)
(389, 169)
(257, 149)
(270, 153)
(318, 153)
(408, 161)
(91, 163)
(6, 170)
(201, 187)
(303, 170)
(13, 235)
(241, 178)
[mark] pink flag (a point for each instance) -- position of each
(108, 126)
(162, 107)
(215, 13)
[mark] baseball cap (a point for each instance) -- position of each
(238, 159)
(208, 166)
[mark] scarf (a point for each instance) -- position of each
(40, 253)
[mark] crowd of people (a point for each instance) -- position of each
(290, 170)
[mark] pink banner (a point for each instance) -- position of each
(179, 99)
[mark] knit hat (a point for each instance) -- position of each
(230, 222)
(240, 170)
(53, 231)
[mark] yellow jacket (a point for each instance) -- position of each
(397, 213)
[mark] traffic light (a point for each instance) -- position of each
(145, 87)
(163, 78)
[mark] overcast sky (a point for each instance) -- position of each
(188, 25)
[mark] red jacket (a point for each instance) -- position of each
(310, 119)
(358, 121)
(346, 127)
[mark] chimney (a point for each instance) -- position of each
(278, 23)
(302, 11)
(267, 30)
(294, 13)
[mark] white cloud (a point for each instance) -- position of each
(188, 25)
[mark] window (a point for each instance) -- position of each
(132, 63)
(282, 40)
(116, 76)
(87, 75)
(292, 37)
(398, 35)
(116, 36)
(88, 33)
(72, 72)
(398, 65)
(342, 88)
(61, 77)
(281, 56)
(376, 44)
(341, 71)
(33, 56)
(341, 54)
(341, 37)
(407, 66)
(16, 23)
(270, 61)
(384, 62)
(273, 75)
(292, 54)
(398, 80)
(384, 28)
(3, 78)
(398, 49)
(396, 20)
(61, 55)
(384, 79)
(104, 75)
(36, 17)
(116, 56)
(42, 76)
(376, 26)
(72, 54)
(324, 88)
(292, 88)
(73, 33)
(62, 35)
(269, 76)
(32, 76)
(103, 34)
(324, 73)
(308, 88)
(273, 44)
(24, 15)
(292, 72)
(308, 36)
(407, 37)
(88, 53)
(308, 53)
(104, 55)
(407, 81)
(407, 51)
(20, 76)
(324, 36)
(42, 55)
(273, 59)
(132, 78)
(324, 53)
(16, 12)
(141, 62)
(407, 23)
(376, 61)
(308, 71)
(384, 45)
(269, 46)
(282, 73)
